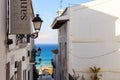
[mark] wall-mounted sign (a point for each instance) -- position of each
(19, 16)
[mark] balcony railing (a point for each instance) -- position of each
(32, 60)
(22, 45)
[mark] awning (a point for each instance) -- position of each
(59, 21)
(55, 51)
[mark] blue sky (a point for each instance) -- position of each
(47, 9)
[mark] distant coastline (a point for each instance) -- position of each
(46, 55)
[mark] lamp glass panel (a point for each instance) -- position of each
(37, 25)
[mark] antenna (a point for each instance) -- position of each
(61, 1)
(60, 11)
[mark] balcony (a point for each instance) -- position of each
(32, 60)
(22, 45)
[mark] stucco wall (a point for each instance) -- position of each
(95, 38)
(16, 55)
(2, 40)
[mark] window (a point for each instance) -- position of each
(28, 75)
(8, 71)
(24, 75)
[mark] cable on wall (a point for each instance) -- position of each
(93, 57)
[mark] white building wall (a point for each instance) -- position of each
(62, 39)
(16, 55)
(57, 69)
(13, 53)
(2, 40)
(30, 67)
(95, 31)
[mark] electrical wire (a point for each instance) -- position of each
(105, 54)
(104, 71)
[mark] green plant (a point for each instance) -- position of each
(95, 72)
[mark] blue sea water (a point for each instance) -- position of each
(46, 55)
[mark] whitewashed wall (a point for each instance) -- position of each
(2, 40)
(56, 72)
(16, 55)
(95, 38)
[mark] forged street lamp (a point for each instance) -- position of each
(35, 71)
(37, 21)
(39, 50)
(34, 51)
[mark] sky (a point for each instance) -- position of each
(47, 10)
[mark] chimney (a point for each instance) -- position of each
(60, 11)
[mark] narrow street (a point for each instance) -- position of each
(47, 77)
(59, 39)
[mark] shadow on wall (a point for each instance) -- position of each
(90, 28)
(93, 24)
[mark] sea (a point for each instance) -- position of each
(46, 54)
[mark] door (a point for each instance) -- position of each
(24, 75)
(8, 71)
(19, 69)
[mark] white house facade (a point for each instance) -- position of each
(17, 43)
(2, 40)
(92, 38)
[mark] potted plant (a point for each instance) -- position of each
(95, 71)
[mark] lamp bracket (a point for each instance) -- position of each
(9, 41)
(34, 35)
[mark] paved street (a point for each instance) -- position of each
(47, 77)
